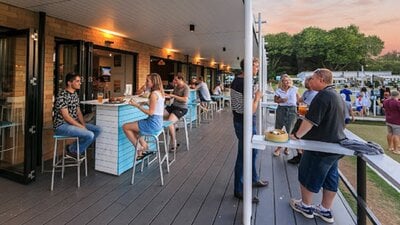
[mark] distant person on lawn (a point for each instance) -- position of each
(347, 92)
(392, 116)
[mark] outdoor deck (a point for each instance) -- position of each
(198, 190)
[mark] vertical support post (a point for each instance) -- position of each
(260, 73)
(265, 62)
(361, 190)
(247, 93)
(40, 90)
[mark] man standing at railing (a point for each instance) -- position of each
(324, 121)
(237, 88)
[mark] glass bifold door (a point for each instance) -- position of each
(18, 101)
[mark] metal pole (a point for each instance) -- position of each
(260, 73)
(265, 62)
(361, 190)
(247, 132)
(265, 84)
(363, 75)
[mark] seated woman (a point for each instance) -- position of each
(218, 89)
(153, 123)
(193, 83)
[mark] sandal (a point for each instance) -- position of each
(391, 149)
(146, 153)
(139, 157)
(277, 152)
(175, 147)
(286, 152)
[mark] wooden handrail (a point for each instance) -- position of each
(384, 165)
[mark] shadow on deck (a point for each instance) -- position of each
(198, 190)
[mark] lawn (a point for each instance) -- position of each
(381, 197)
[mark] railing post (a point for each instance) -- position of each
(361, 190)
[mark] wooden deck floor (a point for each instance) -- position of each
(198, 190)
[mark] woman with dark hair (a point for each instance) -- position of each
(218, 89)
(154, 121)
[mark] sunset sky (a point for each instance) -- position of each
(373, 17)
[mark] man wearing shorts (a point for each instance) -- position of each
(179, 107)
(323, 122)
(392, 116)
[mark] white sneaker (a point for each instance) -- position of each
(297, 205)
(325, 215)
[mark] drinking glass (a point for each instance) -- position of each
(100, 97)
(302, 109)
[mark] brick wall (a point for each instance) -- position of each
(17, 18)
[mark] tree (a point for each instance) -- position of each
(280, 50)
(310, 48)
(388, 62)
(349, 49)
(343, 48)
(374, 45)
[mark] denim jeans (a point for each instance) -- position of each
(238, 188)
(86, 136)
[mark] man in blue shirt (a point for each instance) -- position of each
(347, 92)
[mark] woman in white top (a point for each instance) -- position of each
(153, 123)
(286, 114)
(218, 89)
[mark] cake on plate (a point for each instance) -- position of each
(276, 135)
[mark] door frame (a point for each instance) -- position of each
(31, 101)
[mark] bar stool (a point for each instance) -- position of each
(66, 160)
(194, 113)
(166, 124)
(208, 111)
(3, 126)
(152, 139)
(183, 121)
(212, 106)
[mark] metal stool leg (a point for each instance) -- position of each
(63, 160)
(54, 164)
(168, 140)
(134, 165)
(186, 134)
(166, 151)
(78, 154)
(159, 162)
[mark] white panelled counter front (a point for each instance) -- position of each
(114, 152)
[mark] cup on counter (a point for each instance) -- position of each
(100, 96)
(302, 110)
